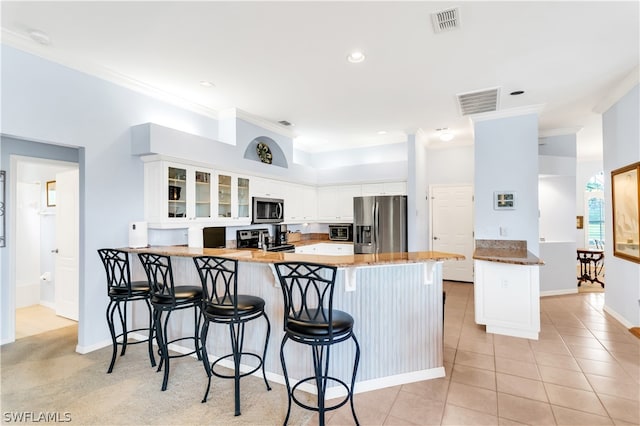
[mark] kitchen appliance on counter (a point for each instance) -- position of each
(341, 232)
(214, 237)
(280, 234)
(267, 210)
(380, 224)
(260, 239)
(138, 234)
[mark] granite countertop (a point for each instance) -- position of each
(255, 255)
(505, 251)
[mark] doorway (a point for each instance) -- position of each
(37, 224)
(452, 228)
(12, 148)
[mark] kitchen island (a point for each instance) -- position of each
(507, 288)
(395, 299)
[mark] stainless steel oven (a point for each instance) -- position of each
(341, 232)
(267, 210)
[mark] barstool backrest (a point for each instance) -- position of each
(160, 275)
(219, 280)
(308, 293)
(116, 264)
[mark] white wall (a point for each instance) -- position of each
(621, 136)
(450, 166)
(505, 153)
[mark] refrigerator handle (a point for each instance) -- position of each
(376, 225)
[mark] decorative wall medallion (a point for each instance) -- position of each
(264, 153)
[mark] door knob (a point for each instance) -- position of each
(54, 251)
(435, 238)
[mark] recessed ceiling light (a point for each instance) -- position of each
(444, 134)
(40, 37)
(206, 83)
(382, 132)
(355, 57)
(517, 92)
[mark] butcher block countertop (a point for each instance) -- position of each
(259, 256)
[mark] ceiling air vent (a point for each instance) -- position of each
(284, 123)
(480, 101)
(446, 20)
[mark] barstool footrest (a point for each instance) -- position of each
(313, 378)
(248, 373)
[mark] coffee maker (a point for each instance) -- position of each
(280, 235)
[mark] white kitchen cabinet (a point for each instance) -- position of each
(335, 203)
(300, 203)
(507, 298)
(268, 188)
(384, 188)
(177, 194)
(233, 198)
(326, 249)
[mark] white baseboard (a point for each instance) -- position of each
(558, 292)
(50, 305)
(618, 317)
(86, 349)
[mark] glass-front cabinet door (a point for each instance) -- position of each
(234, 200)
(177, 192)
(203, 194)
(244, 200)
(224, 196)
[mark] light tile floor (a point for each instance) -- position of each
(584, 370)
(36, 319)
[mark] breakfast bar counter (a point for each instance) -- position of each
(395, 299)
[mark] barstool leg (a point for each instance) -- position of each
(205, 357)
(264, 354)
(197, 317)
(123, 321)
(110, 311)
(353, 378)
(236, 331)
(286, 378)
(321, 369)
(151, 333)
(165, 350)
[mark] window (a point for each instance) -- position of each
(594, 195)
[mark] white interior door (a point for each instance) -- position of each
(452, 228)
(67, 244)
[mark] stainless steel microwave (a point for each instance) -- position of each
(267, 210)
(341, 232)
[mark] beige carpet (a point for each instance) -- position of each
(43, 374)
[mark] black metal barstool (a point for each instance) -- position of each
(309, 318)
(222, 304)
(166, 298)
(121, 290)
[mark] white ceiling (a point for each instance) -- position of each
(287, 60)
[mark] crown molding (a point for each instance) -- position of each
(511, 112)
(265, 124)
(49, 53)
(618, 91)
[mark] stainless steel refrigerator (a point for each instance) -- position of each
(380, 224)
